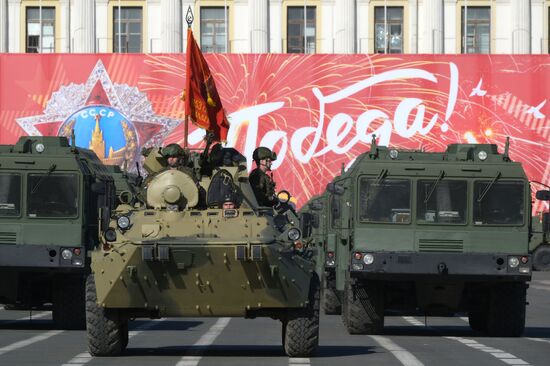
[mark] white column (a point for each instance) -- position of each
(433, 27)
(14, 16)
(171, 33)
(83, 30)
(275, 26)
(3, 25)
(344, 26)
(241, 30)
(104, 39)
(258, 12)
(539, 42)
(364, 23)
(450, 36)
(64, 37)
(326, 32)
(412, 31)
(520, 26)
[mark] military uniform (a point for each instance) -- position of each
(263, 187)
(262, 184)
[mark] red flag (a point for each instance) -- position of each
(202, 101)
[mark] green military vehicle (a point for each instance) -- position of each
(314, 219)
(540, 236)
(197, 245)
(49, 198)
(432, 233)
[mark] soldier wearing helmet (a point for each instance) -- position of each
(262, 183)
(175, 156)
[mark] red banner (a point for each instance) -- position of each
(318, 112)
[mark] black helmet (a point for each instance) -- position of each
(172, 150)
(263, 153)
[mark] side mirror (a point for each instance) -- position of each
(336, 189)
(543, 195)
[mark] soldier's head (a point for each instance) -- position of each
(174, 155)
(263, 158)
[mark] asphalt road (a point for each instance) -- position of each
(222, 341)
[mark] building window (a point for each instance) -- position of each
(127, 29)
(295, 29)
(40, 30)
(214, 30)
(477, 38)
(388, 29)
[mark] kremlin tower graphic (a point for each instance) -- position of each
(97, 144)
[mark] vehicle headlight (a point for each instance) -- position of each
(66, 254)
(39, 148)
(294, 234)
(123, 222)
(482, 155)
(394, 154)
(368, 259)
(513, 262)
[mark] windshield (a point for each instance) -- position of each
(52, 195)
(503, 204)
(446, 205)
(387, 200)
(10, 194)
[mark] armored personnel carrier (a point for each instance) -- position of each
(197, 244)
(432, 233)
(49, 198)
(540, 236)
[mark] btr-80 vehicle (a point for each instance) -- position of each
(196, 245)
(432, 233)
(50, 192)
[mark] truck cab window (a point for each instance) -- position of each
(385, 200)
(446, 205)
(502, 204)
(10, 194)
(52, 195)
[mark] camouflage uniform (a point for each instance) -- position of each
(262, 184)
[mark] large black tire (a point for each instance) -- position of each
(506, 315)
(541, 258)
(301, 329)
(364, 307)
(479, 311)
(107, 331)
(68, 308)
(331, 302)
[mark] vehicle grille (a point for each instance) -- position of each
(440, 245)
(7, 237)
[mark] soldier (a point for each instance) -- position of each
(175, 156)
(262, 183)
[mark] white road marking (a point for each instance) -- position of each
(539, 340)
(205, 340)
(503, 356)
(27, 342)
(31, 317)
(413, 321)
(544, 288)
(298, 361)
(85, 357)
(405, 357)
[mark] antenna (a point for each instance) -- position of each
(506, 156)
(73, 139)
(373, 147)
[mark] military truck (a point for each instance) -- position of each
(540, 239)
(199, 245)
(432, 233)
(50, 193)
(314, 219)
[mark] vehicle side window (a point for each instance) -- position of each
(500, 203)
(10, 194)
(442, 202)
(334, 210)
(52, 195)
(385, 200)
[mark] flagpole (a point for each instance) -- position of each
(189, 19)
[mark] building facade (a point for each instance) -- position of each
(277, 26)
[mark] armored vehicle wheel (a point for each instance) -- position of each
(107, 331)
(301, 329)
(364, 308)
(541, 258)
(68, 310)
(506, 315)
(331, 302)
